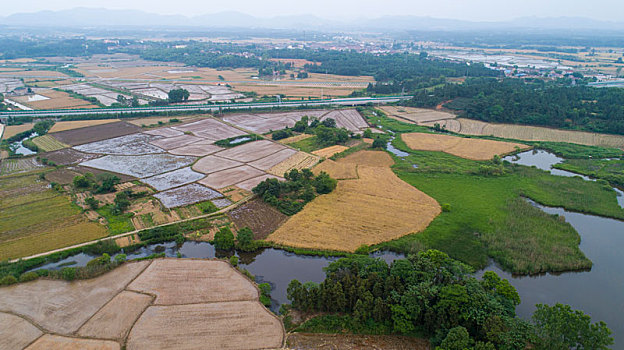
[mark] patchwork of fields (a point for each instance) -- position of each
(141, 305)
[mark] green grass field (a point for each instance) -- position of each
(116, 223)
(306, 145)
(34, 218)
(610, 170)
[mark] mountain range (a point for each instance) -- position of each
(97, 17)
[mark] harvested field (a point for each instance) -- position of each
(61, 176)
(47, 143)
(186, 195)
(376, 207)
(68, 156)
(264, 123)
(416, 115)
(219, 326)
(202, 281)
(234, 193)
(339, 171)
(295, 138)
(83, 170)
(305, 341)
(533, 133)
(16, 332)
(231, 176)
(299, 160)
(61, 307)
(139, 166)
(48, 342)
(273, 159)
(95, 133)
(100, 313)
(259, 216)
(115, 319)
(330, 151)
(155, 120)
(211, 164)
(129, 145)
(175, 142)
(12, 130)
(349, 119)
(52, 222)
(77, 124)
(173, 179)
(58, 100)
(150, 213)
(165, 132)
(196, 149)
(18, 165)
(211, 129)
(475, 149)
(248, 185)
(251, 151)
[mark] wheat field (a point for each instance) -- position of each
(475, 149)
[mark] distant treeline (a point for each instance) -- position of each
(533, 103)
(11, 48)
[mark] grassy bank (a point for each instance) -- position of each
(610, 170)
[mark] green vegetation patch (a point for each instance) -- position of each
(610, 170)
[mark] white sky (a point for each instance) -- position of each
(474, 10)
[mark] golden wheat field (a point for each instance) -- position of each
(330, 151)
(375, 207)
(475, 149)
(530, 133)
(76, 124)
(299, 160)
(412, 115)
(295, 138)
(13, 130)
(338, 171)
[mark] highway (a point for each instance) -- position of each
(203, 107)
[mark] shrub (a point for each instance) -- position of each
(379, 143)
(8, 280)
(265, 294)
(224, 239)
(363, 249)
(446, 207)
(245, 239)
(281, 134)
(92, 203)
(68, 273)
(28, 276)
(234, 260)
(120, 258)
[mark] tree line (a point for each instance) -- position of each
(532, 102)
(433, 295)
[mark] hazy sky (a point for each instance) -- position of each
(478, 10)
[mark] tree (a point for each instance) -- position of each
(178, 95)
(368, 133)
(559, 327)
(224, 239)
(379, 143)
(92, 203)
(122, 202)
(324, 183)
(82, 181)
(456, 339)
(245, 239)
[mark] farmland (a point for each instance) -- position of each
(330, 151)
(47, 143)
(376, 207)
(199, 297)
(12, 130)
(476, 149)
(420, 116)
(260, 217)
(95, 133)
(77, 124)
(530, 133)
(19, 165)
(52, 220)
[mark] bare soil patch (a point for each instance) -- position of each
(251, 151)
(197, 149)
(234, 193)
(187, 281)
(232, 325)
(77, 124)
(95, 133)
(68, 156)
(210, 128)
(259, 216)
(330, 151)
(212, 164)
(130, 145)
(476, 149)
(61, 176)
(56, 342)
(63, 307)
(273, 159)
(155, 120)
(16, 332)
(231, 176)
(164, 132)
(305, 341)
(115, 319)
(248, 185)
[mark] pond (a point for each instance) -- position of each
(545, 160)
(18, 147)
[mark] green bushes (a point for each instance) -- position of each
(291, 196)
(245, 240)
(281, 134)
(224, 239)
(8, 280)
(28, 276)
(265, 294)
(234, 260)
